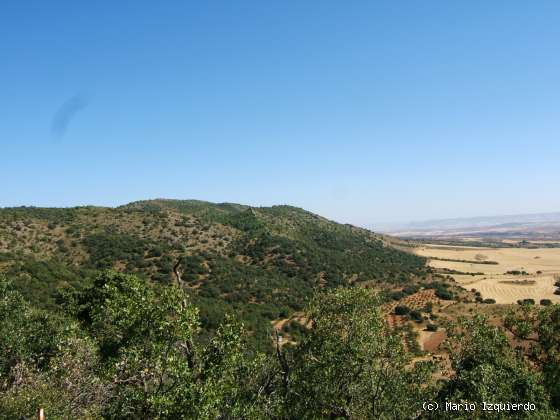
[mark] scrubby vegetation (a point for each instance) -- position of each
(260, 263)
(186, 309)
(517, 272)
(128, 348)
(481, 261)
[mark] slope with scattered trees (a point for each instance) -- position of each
(260, 263)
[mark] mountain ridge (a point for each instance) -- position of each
(539, 225)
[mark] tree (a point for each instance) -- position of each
(70, 388)
(136, 352)
(148, 336)
(487, 369)
(27, 335)
(541, 327)
(45, 361)
(401, 310)
(350, 364)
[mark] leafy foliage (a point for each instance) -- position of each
(131, 348)
(487, 369)
(351, 365)
(262, 263)
(542, 328)
(136, 351)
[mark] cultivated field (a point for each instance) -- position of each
(542, 265)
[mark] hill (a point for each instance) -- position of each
(261, 263)
(82, 341)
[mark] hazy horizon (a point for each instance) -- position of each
(365, 113)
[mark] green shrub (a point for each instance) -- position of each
(415, 315)
(526, 301)
(401, 310)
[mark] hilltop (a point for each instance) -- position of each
(260, 262)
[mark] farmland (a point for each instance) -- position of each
(503, 274)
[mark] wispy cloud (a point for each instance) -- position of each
(66, 114)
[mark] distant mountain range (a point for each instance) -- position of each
(540, 225)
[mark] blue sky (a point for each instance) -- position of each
(364, 112)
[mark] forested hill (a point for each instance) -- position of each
(261, 263)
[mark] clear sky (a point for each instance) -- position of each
(362, 111)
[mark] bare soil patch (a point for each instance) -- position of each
(430, 340)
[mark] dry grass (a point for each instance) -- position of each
(542, 264)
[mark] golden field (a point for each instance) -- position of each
(542, 266)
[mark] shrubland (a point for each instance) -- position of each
(262, 264)
(128, 348)
(164, 309)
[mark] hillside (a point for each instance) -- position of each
(262, 263)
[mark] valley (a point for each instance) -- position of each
(506, 275)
